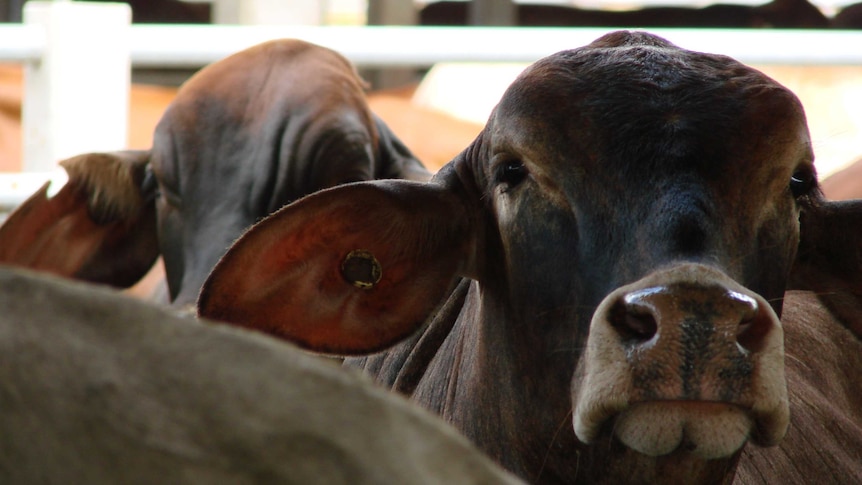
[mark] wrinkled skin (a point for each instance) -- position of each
(597, 280)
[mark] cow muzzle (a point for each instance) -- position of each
(686, 360)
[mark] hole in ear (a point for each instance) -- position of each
(361, 269)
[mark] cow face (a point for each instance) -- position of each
(629, 217)
(681, 176)
(636, 155)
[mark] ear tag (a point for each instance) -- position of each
(361, 269)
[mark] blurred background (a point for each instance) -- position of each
(438, 108)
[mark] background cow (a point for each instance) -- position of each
(100, 388)
(244, 136)
(612, 251)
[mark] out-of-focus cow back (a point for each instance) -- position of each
(97, 387)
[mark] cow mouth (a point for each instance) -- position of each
(671, 364)
(703, 429)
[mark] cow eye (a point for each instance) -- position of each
(511, 173)
(801, 183)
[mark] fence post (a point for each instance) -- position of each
(76, 99)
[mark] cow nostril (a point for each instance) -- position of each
(753, 326)
(633, 325)
(751, 333)
(643, 327)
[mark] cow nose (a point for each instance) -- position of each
(685, 358)
(694, 334)
(639, 315)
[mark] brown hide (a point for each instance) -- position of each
(100, 388)
(253, 132)
(100, 227)
(823, 363)
(619, 238)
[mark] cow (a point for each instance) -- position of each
(243, 137)
(592, 290)
(98, 387)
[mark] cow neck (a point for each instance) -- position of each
(482, 381)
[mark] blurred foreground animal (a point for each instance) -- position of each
(96, 387)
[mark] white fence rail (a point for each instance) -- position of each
(396, 46)
(78, 55)
(391, 46)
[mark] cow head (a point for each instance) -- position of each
(253, 132)
(630, 217)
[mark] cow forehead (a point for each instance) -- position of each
(649, 70)
(643, 98)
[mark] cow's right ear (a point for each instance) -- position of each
(348, 270)
(100, 227)
(829, 260)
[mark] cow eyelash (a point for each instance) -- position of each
(510, 173)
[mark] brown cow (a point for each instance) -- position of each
(243, 137)
(612, 251)
(99, 388)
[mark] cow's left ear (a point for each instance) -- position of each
(100, 227)
(348, 270)
(829, 258)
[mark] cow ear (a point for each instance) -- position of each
(829, 258)
(100, 227)
(396, 160)
(348, 270)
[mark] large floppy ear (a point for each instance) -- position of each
(100, 227)
(348, 270)
(829, 259)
